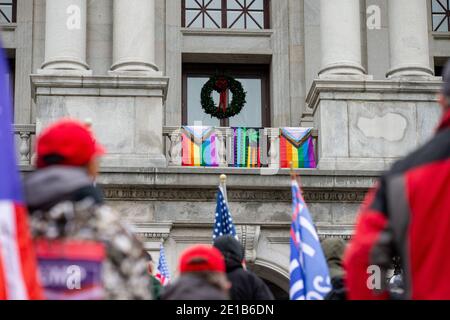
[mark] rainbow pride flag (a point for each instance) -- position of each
(246, 148)
(297, 146)
(199, 147)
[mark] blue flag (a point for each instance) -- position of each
(223, 223)
(18, 276)
(10, 188)
(309, 277)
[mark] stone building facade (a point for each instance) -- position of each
(360, 72)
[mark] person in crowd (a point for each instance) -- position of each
(245, 285)
(73, 228)
(407, 215)
(202, 276)
(333, 249)
(155, 284)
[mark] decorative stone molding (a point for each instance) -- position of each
(278, 240)
(130, 85)
(367, 90)
(332, 231)
(234, 195)
(192, 239)
(249, 236)
(336, 231)
(153, 231)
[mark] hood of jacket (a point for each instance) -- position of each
(232, 251)
(46, 187)
(191, 287)
(333, 249)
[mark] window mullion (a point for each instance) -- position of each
(224, 14)
(261, 22)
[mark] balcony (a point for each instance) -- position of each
(266, 157)
(266, 153)
(25, 136)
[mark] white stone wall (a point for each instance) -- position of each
(293, 44)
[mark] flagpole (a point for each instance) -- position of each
(295, 177)
(223, 185)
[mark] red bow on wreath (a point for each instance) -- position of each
(222, 87)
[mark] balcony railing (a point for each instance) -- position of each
(269, 155)
(24, 134)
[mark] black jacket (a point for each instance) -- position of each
(245, 285)
(191, 287)
(338, 291)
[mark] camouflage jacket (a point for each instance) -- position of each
(64, 205)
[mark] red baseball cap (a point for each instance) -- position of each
(67, 142)
(202, 258)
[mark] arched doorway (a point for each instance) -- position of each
(277, 292)
(276, 277)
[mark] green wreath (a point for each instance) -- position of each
(222, 84)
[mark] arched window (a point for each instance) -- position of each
(228, 14)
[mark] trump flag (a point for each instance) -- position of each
(18, 269)
(309, 277)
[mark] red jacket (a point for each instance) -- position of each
(407, 215)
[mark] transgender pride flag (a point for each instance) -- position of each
(18, 271)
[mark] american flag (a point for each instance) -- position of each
(163, 273)
(309, 277)
(223, 222)
(18, 267)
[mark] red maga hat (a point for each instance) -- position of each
(202, 258)
(67, 142)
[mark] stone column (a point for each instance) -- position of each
(408, 34)
(134, 36)
(340, 27)
(65, 36)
